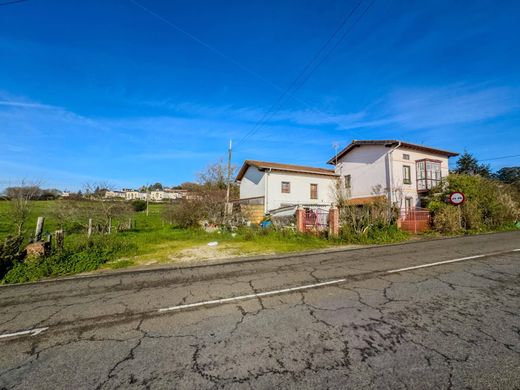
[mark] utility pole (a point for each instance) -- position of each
(335, 146)
(228, 176)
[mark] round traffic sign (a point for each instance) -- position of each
(457, 198)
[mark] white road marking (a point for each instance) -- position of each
(393, 271)
(308, 286)
(249, 296)
(32, 332)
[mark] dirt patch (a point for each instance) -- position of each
(205, 252)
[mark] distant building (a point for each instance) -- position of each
(152, 196)
(114, 194)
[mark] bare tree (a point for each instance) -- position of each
(20, 207)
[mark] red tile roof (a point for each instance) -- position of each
(389, 143)
(263, 165)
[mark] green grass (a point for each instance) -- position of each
(153, 241)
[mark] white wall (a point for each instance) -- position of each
(410, 190)
(367, 167)
(300, 189)
(252, 184)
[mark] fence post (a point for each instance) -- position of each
(39, 229)
(333, 221)
(59, 236)
(300, 219)
(89, 231)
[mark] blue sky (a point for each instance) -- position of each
(104, 91)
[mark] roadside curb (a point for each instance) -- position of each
(233, 261)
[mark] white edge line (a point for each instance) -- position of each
(308, 286)
(32, 332)
(434, 264)
(249, 296)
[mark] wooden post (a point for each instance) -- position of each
(89, 231)
(39, 229)
(59, 236)
(109, 225)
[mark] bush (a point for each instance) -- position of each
(186, 214)
(80, 255)
(139, 205)
(372, 234)
(10, 253)
(447, 219)
(489, 204)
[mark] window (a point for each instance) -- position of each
(428, 174)
(408, 203)
(286, 187)
(406, 156)
(407, 178)
(347, 181)
(314, 191)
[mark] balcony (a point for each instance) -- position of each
(428, 173)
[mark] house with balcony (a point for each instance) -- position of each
(402, 171)
(364, 171)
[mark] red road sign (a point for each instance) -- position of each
(456, 198)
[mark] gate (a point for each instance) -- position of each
(315, 220)
(415, 220)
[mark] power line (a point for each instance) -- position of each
(500, 158)
(302, 78)
(234, 62)
(12, 2)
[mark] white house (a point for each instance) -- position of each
(400, 170)
(364, 170)
(115, 194)
(279, 185)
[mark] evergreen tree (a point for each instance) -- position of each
(467, 164)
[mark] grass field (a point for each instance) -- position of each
(154, 241)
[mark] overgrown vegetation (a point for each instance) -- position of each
(80, 255)
(373, 223)
(490, 205)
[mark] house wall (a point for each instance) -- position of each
(300, 189)
(367, 166)
(252, 184)
(410, 190)
(372, 166)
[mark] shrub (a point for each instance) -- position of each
(447, 219)
(10, 253)
(489, 204)
(138, 205)
(372, 234)
(185, 214)
(80, 255)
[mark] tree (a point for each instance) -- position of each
(467, 164)
(30, 192)
(156, 187)
(215, 175)
(509, 175)
(20, 198)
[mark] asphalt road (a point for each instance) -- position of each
(369, 318)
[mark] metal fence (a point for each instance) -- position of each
(316, 220)
(415, 220)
